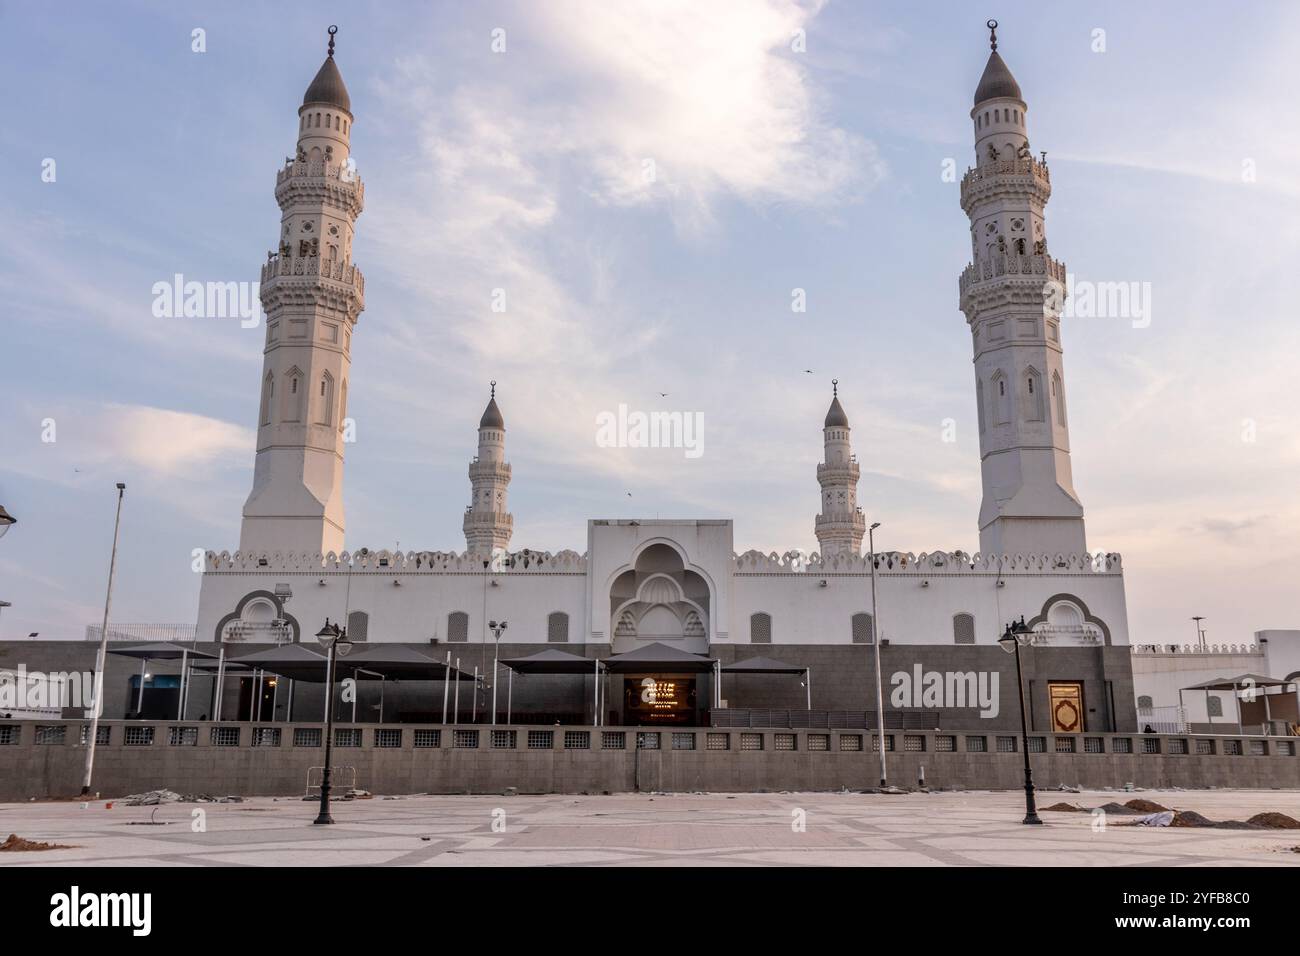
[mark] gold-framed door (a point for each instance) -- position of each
(1065, 704)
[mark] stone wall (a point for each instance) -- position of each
(45, 759)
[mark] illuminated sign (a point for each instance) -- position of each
(657, 699)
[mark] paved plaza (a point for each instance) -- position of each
(802, 829)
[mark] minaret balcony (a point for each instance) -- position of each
(280, 271)
(335, 183)
(1005, 177)
(1040, 268)
(838, 473)
(499, 470)
(488, 519)
(843, 521)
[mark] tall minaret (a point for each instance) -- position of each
(487, 523)
(312, 295)
(840, 526)
(1012, 296)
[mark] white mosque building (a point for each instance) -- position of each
(680, 584)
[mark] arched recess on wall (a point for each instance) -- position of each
(458, 627)
(1088, 616)
(1033, 395)
(258, 596)
(863, 628)
(760, 628)
(291, 395)
(358, 626)
(557, 628)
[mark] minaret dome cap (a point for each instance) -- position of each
(835, 417)
(328, 87)
(997, 81)
(492, 417)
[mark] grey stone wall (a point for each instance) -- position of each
(45, 759)
(843, 678)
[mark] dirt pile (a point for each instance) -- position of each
(16, 844)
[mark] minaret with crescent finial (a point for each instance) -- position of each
(1012, 293)
(488, 525)
(841, 524)
(312, 295)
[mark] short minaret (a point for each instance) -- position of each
(312, 295)
(487, 523)
(1012, 295)
(841, 524)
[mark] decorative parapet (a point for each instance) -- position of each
(1193, 650)
(390, 562)
(1004, 264)
(335, 183)
(935, 563)
(1003, 176)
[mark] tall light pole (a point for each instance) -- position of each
(335, 641)
(875, 639)
(103, 653)
(1017, 633)
(496, 629)
(1200, 632)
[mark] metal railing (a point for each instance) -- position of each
(144, 632)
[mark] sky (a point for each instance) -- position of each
(795, 146)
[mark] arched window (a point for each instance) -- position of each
(325, 411)
(760, 628)
(292, 411)
(458, 627)
(1144, 704)
(1033, 396)
(268, 395)
(557, 628)
(1058, 393)
(979, 403)
(1214, 706)
(1001, 400)
(864, 628)
(358, 626)
(963, 629)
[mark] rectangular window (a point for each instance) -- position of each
(819, 741)
(138, 737)
(913, 743)
(1232, 748)
(102, 735)
(388, 737)
(647, 740)
(1093, 745)
(577, 740)
(1006, 745)
(504, 739)
(1151, 745)
(8, 735)
(613, 740)
(1121, 745)
(974, 745)
(225, 736)
(849, 742)
(50, 734)
(718, 742)
(683, 741)
(307, 736)
(751, 741)
(541, 739)
(1205, 747)
(266, 736)
(1258, 748)
(889, 743)
(182, 736)
(428, 738)
(347, 736)
(1064, 745)
(1037, 745)
(1177, 745)
(464, 739)
(783, 741)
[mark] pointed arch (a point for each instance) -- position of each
(291, 399)
(268, 396)
(1032, 395)
(1058, 397)
(979, 402)
(1000, 392)
(325, 399)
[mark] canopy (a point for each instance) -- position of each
(659, 656)
(551, 661)
(761, 665)
(1242, 681)
(287, 660)
(161, 652)
(397, 661)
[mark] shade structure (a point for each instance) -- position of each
(659, 656)
(761, 665)
(1240, 682)
(396, 662)
(550, 661)
(161, 652)
(286, 660)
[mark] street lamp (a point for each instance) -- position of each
(875, 639)
(334, 639)
(7, 521)
(1017, 633)
(496, 628)
(101, 659)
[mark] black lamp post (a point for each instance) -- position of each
(1016, 634)
(335, 641)
(497, 629)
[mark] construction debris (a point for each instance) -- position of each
(16, 844)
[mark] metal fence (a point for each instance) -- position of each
(849, 719)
